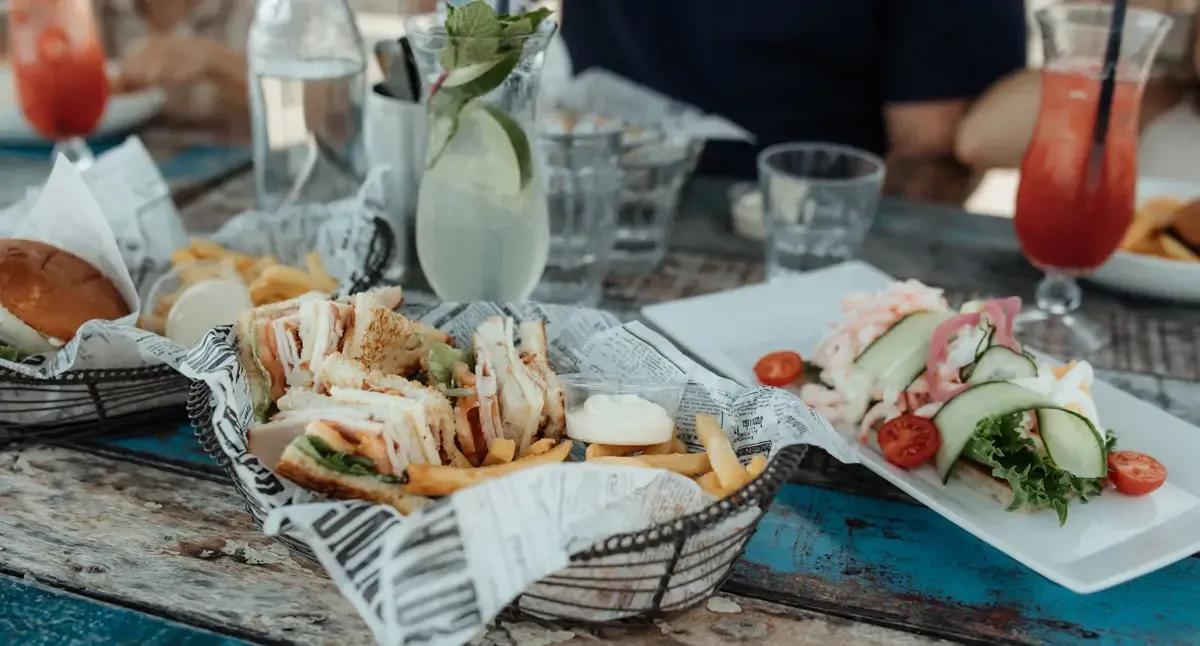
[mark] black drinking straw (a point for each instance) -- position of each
(1108, 81)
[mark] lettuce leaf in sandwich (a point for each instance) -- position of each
(1015, 458)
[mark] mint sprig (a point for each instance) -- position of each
(483, 49)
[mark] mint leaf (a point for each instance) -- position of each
(1014, 458)
(482, 51)
(474, 19)
(522, 25)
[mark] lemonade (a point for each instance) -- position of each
(482, 232)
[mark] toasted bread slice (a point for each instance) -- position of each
(301, 469)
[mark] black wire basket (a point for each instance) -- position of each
(626, 578)
(86, 403)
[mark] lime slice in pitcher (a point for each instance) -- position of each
(490, 149)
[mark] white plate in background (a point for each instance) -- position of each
(1137, 273)
(124, 111)
(1108, 541)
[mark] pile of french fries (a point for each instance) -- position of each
(1149, 235)
(717, 470)
(436, 480)
(267, 280)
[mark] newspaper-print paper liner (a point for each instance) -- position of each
(441, 575)
(96, 375)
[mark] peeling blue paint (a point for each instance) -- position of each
(879, 550)
(34, 615)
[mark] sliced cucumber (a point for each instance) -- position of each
(985, 342)
(957, 419)
(1074, 445)
(999, 363)
(898, 356)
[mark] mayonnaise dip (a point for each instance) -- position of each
(624, 420)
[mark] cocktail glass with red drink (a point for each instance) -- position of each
(59, 67)
(1076, 199)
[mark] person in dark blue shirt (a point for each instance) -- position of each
(890, 76)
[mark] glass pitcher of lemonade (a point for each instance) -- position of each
(482, 226)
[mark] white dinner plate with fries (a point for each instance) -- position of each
(1143, 265)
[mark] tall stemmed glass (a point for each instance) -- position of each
(58, 63)
(1073, 206)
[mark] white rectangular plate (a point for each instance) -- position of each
(1108, 541)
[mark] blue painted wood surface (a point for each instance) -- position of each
(34, 615)
(901, 564)
(178, 445)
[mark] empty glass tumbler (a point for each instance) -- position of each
(819, 202)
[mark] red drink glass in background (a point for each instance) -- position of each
(1072, 211)
(1054, 203)
(59, 66)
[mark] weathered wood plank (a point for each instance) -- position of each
(183, 548)
(139, 535)
(903, 565)
(34, 615)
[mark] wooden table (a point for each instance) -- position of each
(141, 539)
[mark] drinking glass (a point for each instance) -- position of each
(654, 175)
(59, 68)
(583, 186)
(1071, 210)
(818, 204)
(482, 228)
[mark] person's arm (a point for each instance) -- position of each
(937, 58)
(998, 127)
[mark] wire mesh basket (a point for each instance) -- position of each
(626, 578)
(85, 403)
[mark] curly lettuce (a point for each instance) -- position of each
(1014, 457)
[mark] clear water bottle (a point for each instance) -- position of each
(307, 87)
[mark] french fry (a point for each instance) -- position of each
(670, 446)
(440, 480)
(673, 445)
(720, 453)
(293, 277)
(757, 465)
(712, 484)
(689, 464)
(619, 461)
(205, 249)
(1151, 217)
(607, 450)
(256, 268)
(1176, 250)
(182, 257)
(541, 446)
(500, 451)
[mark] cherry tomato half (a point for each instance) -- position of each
(1135, 474)
(779, 368)
(909, 441)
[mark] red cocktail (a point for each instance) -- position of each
(1075, 200)
(59, 67)
(1063, 223)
